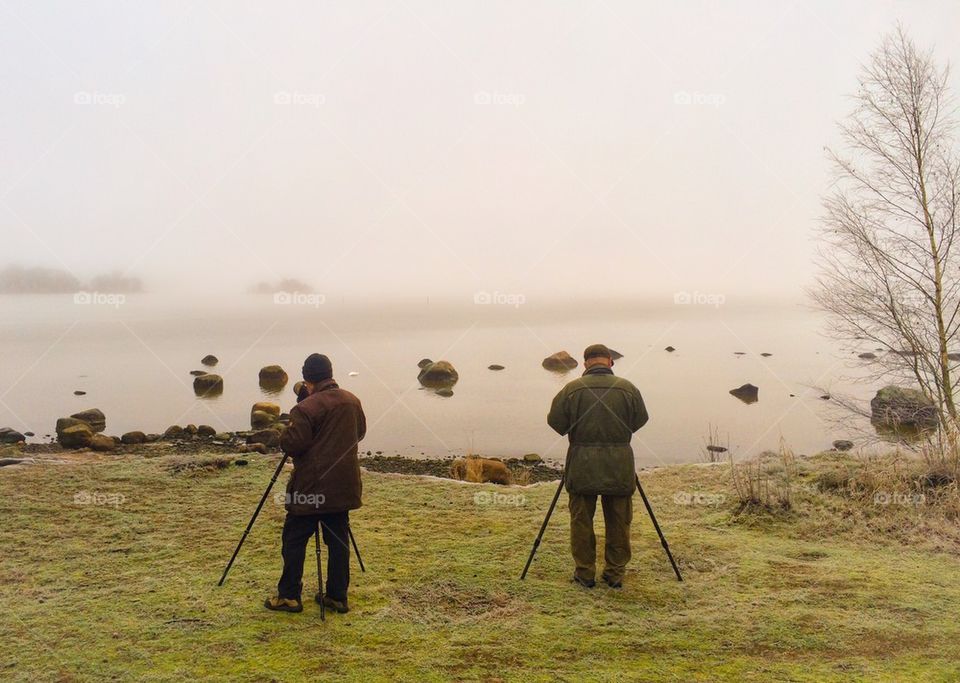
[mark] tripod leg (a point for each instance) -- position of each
(323, 610)
(356, 550)
(253, 519)
(663, 540)
(543, 527)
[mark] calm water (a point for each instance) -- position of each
(134, 361)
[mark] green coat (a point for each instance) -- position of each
(600, 412)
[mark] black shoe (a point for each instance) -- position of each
(278, 604)
(584, 582)
(613, 583)
(338, 606)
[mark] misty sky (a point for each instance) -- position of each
(430, 148)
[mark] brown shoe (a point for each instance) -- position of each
(278, 604)
(586, 583)
(338, 606)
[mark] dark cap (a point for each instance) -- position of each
(597, 351)
(317, 368)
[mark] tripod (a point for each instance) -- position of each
(263, 499)
(653, 518)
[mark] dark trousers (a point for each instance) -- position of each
(617, 515)
(297, 532)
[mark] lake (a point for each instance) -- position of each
(133, 359)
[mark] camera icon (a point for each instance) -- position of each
(482, 498)
(282, 298)
(682, 298)
(482, 97)
(682, 97)
(482, 298)
(82, 97)
(83, 298)
(82, 498)
(282, 97)
(882, 498)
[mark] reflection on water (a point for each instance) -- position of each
(135, 363)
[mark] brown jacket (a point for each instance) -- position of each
(322, 440)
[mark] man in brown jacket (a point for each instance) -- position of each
(325, 428)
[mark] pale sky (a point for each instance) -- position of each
(432, 147)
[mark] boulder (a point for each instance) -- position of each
(75, 436)
(867, 356)
(102, 443)
(209, 360)
(134, 437)
(78, 392)
(266, 407)
(561, 361)
(191, 429)
(765, 354)
(206, 431)
(842, 445)
(438, 375)
(716, 449)
(669, 349)
(273, 378)
(197, 373)
(8, 435)
(208, 385)
(895, 407)
(494, 367)
(746, 393)
(94, 417)
(446, 392)
(261, 420)
(223, 436)
(268, 437)
(173, 432)
(532, 458)
(65, 422)
(424, 362)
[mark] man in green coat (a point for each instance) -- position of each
(600, 412)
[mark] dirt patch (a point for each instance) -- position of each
(447, 602)
(395, 464)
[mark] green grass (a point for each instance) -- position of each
(128, 592)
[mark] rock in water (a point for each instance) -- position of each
(206, 431)
(8, 435)
(209, 360)
(424, 362)
(867, 356)
(494, 367)
(75, 436)
(94, 417)
(842, 445)
(895, 407)
(766, 355)
(208, 385)
(173, 432)
(747, 393)
(446, 392)
(261, 420)
(438, 375)
(561, 361)
(273, 378)
(197, 373)
(669, 349)
(134, 437)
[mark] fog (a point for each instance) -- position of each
(608, 149)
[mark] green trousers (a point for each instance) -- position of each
(617, 515)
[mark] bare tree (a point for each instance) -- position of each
(887, 268)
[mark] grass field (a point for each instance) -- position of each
(120, 584)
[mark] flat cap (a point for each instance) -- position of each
(595, 351)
